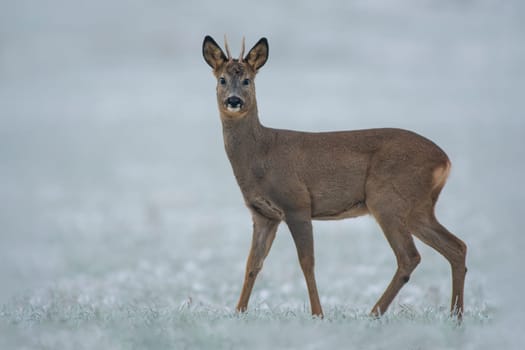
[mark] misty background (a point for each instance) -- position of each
(116, 193)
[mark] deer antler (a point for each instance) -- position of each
(242, 50)
(227, 48)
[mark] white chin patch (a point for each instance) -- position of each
(234, 109)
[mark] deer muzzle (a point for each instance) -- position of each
(234, 103)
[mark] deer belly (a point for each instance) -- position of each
(348, 211)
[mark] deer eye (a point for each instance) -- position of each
(246, 82)
(222, 81)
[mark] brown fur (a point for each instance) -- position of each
(393, 174)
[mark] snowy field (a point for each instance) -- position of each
(122, 227)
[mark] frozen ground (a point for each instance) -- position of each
(121, 226)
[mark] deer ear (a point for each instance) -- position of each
(212, 53)
(258, 55)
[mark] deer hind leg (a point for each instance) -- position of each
(402, 243)
(264, 231)
(301, 229)
(432, 233)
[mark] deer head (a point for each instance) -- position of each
(235, 76)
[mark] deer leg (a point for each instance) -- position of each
(432, 233)
(301, 229)
(406, 254)
(263, 235)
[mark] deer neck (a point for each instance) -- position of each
(242, 138)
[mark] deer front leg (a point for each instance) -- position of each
(263, 235)
(301, 228)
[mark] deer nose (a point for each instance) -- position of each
(234, 102)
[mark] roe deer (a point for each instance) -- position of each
(393, 174)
